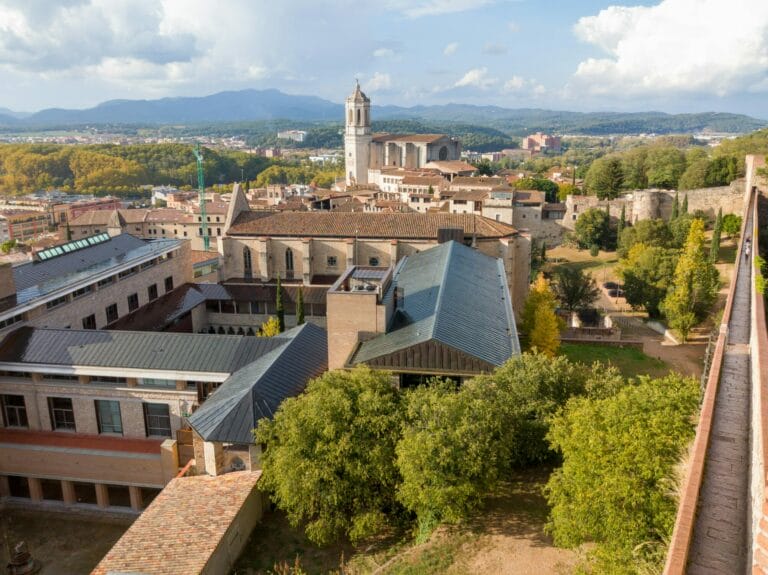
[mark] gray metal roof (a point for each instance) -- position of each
(452, 294)
(134, 350)
(39, 278)
(258, 389)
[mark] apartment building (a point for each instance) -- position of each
(90, 282)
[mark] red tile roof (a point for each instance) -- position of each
(179, 532)
(364, 225)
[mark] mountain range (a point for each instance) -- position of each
(266, 105)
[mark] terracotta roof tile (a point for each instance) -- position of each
(366, 225)
(180, 530)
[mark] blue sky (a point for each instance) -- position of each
(670, 55)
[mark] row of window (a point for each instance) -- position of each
(111, 311)
(331, 261)
(261, 307)
(157, 417)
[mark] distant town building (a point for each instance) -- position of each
(366, 154)
(541, 143)
(21, 225)
(293, 135)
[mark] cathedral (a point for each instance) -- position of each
(368, 156)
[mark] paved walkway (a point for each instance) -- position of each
(721, 535)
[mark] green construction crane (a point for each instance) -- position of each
(201, 190)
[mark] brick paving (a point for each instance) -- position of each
(721, 536)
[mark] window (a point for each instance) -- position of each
(128, 272)
(133, 302)
(218, 231)
(185, 233)
(108, 416)
(289, 260)
(217, 218)
(89, 322)
(154, 382)
(168, 283)
(152, 292)
(373, 261)
(56, 302)
(82, 291)
(331, 261)
(199, 231)
(111, 311)
(157, 419)
(62, 414)
(14, 411)
(106, 281)
(109, 380)
(247, 263)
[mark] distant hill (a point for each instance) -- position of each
(267, 105)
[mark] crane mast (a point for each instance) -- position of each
(201, 191)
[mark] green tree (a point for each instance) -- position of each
(664, 167)
(279, 306)
(621, 223)
(619, 454)
(539, 322)
(684, 207)
(695, 285)
(484, 168)
(565, 190)
(695, 175)
(647, 272)
(444, 425)
(592, 228)
(732, 225)
(679, 228)
(330, 457)
(633, 167)
(549, 187)
(648, 232)
(575, 289)
(605, 177)
(270, 328)
(675, 209)
(717, 230)
(300, 307)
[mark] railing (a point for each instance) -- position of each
(682, 535)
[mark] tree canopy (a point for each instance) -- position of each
(592, 228)
(605, 177)
(575, 289)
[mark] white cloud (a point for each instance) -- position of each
(451, 48)
(494, 49)
(378, 82)
(476, 78)
(513, 26)
(419, 8)
(383, 53)
(521, 86)
(676, 46)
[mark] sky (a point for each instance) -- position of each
(583, 55)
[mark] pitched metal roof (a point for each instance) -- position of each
(257, 390)
(39, 278)
(454, 295)
(134, 350)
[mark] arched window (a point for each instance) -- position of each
(443, 154)
(289, 260)
(247, 262)
(358, 117)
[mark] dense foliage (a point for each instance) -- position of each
(614, 487)
(592, 229)
(575, 289)
(539, 326)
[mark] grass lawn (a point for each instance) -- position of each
(631, 362)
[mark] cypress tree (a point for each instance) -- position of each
(620, 225)
(684, 209)
(279, 309)
(714, 250)
(300, 307)
(675, 209)
(543, 252)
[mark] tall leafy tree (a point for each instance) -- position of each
(675, 208)
(647, 272)
(592, 228)
(575, 289)
(622, 221)
(605, 177)
(695, 285)
(619, 453)
(633, 167)
(330, 457)
(270, 328)
(279, 306)
(717, 230)
(664, 166)
(539, 323)
(731, 225)
(684, 208)
(648, 232)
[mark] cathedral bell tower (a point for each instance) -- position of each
(357, 137)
